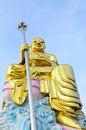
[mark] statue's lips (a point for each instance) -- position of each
(39, 46)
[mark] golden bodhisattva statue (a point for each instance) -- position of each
(57, 81)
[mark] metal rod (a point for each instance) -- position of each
(22, 27)
(23, 32)
(30, 97)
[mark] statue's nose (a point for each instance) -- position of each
(38, 43)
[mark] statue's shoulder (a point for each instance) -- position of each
(53, 58)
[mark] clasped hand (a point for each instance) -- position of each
(24, 47)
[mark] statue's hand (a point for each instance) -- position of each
(24, 47)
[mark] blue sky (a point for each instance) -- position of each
(61, 23)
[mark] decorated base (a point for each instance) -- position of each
(15, 117)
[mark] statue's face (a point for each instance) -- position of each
(38, 44)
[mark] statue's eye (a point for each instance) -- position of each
(34, 41)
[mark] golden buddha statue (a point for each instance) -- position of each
(56, 81)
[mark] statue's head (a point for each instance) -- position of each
(38, 45)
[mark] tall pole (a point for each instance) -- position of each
(22, 27)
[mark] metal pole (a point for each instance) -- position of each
(22, 26)
(32, 114)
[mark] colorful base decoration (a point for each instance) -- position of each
(15, 117)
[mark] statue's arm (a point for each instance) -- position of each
(53, 59)
(23, 48)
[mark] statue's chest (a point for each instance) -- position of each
(38, 55)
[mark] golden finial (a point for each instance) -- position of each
(22, 27)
